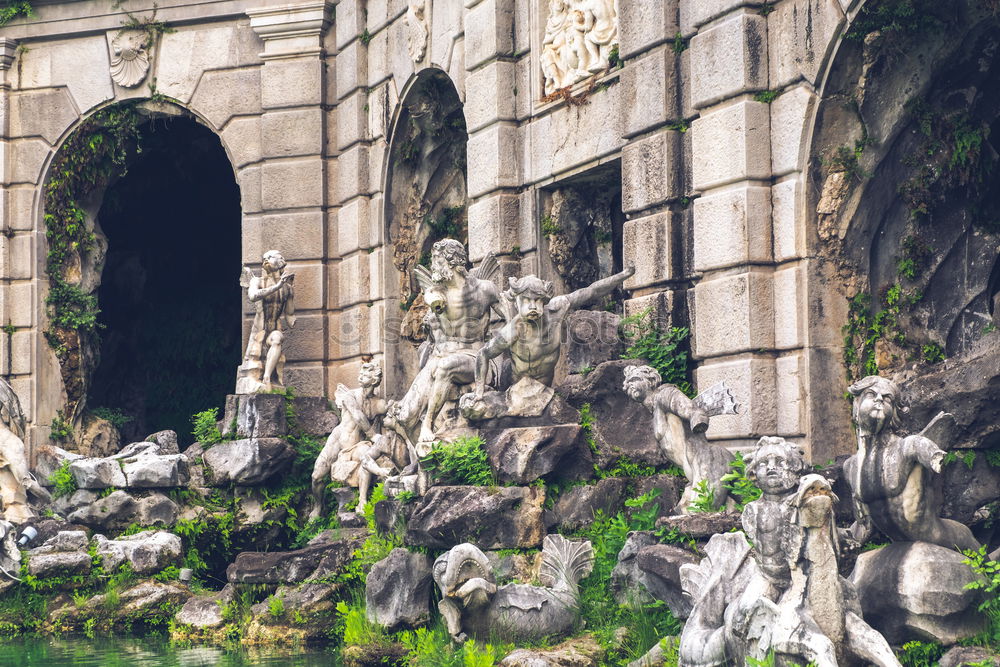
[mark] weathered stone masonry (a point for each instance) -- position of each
(304, 97)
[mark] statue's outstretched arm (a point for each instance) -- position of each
(256, 293)
(925, 451)
(597, 290)
(499, 344)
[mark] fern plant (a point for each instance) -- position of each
(741, 488)
(463, 461)
(666, 351)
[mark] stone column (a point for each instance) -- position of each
(7, 51)
(494, 148)
(733, 304)
(294, 174)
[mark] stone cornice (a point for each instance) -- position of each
(291, 31)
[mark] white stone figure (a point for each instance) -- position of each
(273, 296)
(354, 447)
(679, 424)
(892, 476)
(579, 36)
(15, 480)
(784, 595)
(416, 29)
(461, 302)
(472, 604)
(129, 57)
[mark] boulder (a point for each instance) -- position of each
(116, 511)
(701, 525)
(294, 613)
(146, 552)
(64, 540)
(255, 416)
(156, 510)
(99, 438)
(58, 563)
(627, 581)
(575, 508)
(97, 473)
(967, 489)
(398, 590)
(165, 440)
(659, 572)
(66, 505)
(201, 612)
(621, 427)
(313, 415)
(670, 487)
(591, 339)
(522, 455)
(152, 471)
(289, 567)
(146, 601)
(50, 458)
(47, 528)
(490, 517)
(917, 589)
(576, 652)
(247, 462)
(963, 656)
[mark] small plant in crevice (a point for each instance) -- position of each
(60, 429)
(549, 226)
(62, 480)
(766, 96)
(205, 426)
(704, 501)
(666, 351)
(614, 59)
(463, 461)
(741, 488)
(680, 44)
(932, 353)
(114, 416)
(920, 654)
(968, 458)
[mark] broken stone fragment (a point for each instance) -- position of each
(146, 552)
(492, 517)
(398, 589)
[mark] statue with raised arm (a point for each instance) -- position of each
(533, 336)
(461, 302)
(15, 480)
(273, 297)
(353, 449)
(679, 424)
(892, 477)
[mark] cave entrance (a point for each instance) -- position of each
(169, 295)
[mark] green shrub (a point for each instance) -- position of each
(920, 654)
(463, 461)
(60, 429)
(989, 585)
(666, 351)
(740, 487)
(275, 606)
(62, 480)
(116, 417)
(705, 500)
(206, 429)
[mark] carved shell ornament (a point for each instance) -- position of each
(129, 58)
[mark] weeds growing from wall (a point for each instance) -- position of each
(666, 351)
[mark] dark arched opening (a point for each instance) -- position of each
(169, 294)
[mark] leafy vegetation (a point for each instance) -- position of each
(895, 17)
(114, 416)
(60, 430)
(741, 488)
(12, 9)
(666, 351)
(920, 654)
(62, 480)
(463, 461)
(704, 501)
(767, 96)
(206, 429)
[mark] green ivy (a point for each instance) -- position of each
(666, 351)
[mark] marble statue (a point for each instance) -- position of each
(416, 29)
(784, 595)
(273, 296)
(472, 604)
(579, 37)
(679, 424)
(15, 480)
(353, 449)
(534, 335)
(892, 476)
(461, 302)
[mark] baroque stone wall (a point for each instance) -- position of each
(305, 95)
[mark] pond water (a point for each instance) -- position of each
(151, 652)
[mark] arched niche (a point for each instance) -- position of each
(425, 201)
(904, 182)
(158, 273)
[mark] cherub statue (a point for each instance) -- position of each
(891, 476)
(15, 480)
(353, 448)
(461, 302)
(274, 299)
(789, 600)
(679, 425)
(534, 335)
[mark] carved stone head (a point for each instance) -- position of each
(876, 404)
(530, 293)
(370, 374)
(776, 465)
(448, 257)
(273, 261)
(640, 381)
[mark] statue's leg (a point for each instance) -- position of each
(321, 475)
(274, 340)
(455, 369)
(364, 482)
